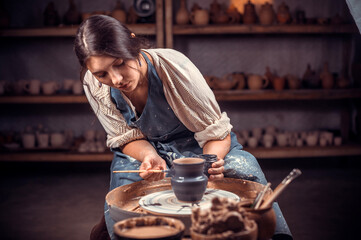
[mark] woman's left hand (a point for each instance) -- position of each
(216, 171)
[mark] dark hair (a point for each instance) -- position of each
(104, 35)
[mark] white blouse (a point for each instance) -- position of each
(186, 91)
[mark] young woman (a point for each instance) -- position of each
(155, 107)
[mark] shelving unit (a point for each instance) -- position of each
(230, 95)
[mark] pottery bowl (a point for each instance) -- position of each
(149, 227)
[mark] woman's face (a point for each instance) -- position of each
(114, 72)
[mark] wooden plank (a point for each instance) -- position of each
(260, 152)
(159, 26)
(305, 152)
(259, 29)
(57, 99)
(168, 24)
(300, 94)
(141, 29)
(56, 157)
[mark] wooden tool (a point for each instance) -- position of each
(140, 171)
(279, 189)
(259, 198)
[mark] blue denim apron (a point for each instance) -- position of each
(173, 140)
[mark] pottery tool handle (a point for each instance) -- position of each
(140, 171)
(279, 189)
(260, 198)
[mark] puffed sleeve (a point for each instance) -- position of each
(113, 122)
(190, 97)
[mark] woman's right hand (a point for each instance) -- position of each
(152, 162)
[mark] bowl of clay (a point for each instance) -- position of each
(149, 227)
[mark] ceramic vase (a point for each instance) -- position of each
(267, 15)
(200, 17)
(188, 180)
(119, 13)
(182, 16)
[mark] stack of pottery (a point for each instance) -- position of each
(249, 14)
(119, 13)
(267, 15)
(283, 14)
(182, 16)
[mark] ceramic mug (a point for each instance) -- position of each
(268, 140)
(257, 82)
(32, 87)
(49, 87)
(282, 139)
(209, 160)
(252, 142)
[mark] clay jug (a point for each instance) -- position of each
(278, 83)
(72, 16)
(283, 14)
(182, 16)
(257, 82)
(267, 15)
(188, 180)
(200, 17)
(195, 7)
(51, 16)
(119, 13)
(249, 15)
(326, 77)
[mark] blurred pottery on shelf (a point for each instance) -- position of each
(249, 14)
(214, 10)
(278, 83)
(282, 139)
(252, 142)
(326, 77)
(200, 17)
(182, 16)
(234, 15)
(72, 16)
(119, 13)
(293, 82)
(310, 78)
(283, 14)
(57, 139)
(32, 87)
(226, 83)
(49, 87)
(267, 14)
(28, 140)
(42, 139)
(68, 84)
(51, 16)
(337, 141)
(257, 82)
(77, 88)
(132, 16)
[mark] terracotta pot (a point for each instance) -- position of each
(283, 14)
(279, 83)
(241, 80)
(267, 15)
(221, 18)
(293, 82)
(119, 13)
(182, 16)
(200, 17)
(249, 15)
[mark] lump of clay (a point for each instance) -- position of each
(224, 217)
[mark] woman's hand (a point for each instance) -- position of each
(152, 162)
(216, 171)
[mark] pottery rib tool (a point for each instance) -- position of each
(140, 171)
(279, 189)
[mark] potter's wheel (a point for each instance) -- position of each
(166, 203)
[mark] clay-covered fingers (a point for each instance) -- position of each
(216, 172)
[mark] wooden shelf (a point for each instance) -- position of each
(69, 31)
(230, 95)
(259, 29)
(300, 94)
(55, 99)
(260, 153)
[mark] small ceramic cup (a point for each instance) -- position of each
(209, 160)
